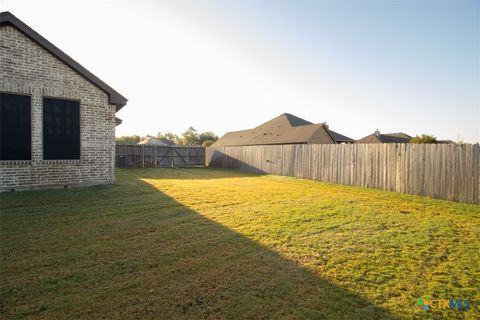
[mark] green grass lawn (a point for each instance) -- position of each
(205, 243)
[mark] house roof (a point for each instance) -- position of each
(115, 98)
(378, 137)
(284, 129)
(156, 141)
(285, 119)
(339, 138)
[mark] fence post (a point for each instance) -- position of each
(128, 157)
(143, 156)
(155, 156)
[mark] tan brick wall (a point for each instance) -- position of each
(26, 68)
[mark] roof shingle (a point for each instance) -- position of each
(284, 129)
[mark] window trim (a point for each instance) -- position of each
(80, 122)
(23, 162)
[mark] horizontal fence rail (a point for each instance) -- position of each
(443, 171)
(146, 156)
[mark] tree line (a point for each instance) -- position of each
(190, 137)
(429, 138)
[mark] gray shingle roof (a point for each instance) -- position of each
(377, 137)
(339, 138)
(284, 129)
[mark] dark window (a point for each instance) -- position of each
(61, 129)
(15, 127)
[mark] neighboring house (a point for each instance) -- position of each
(378, 137)
(57, 120)
(284, 129)
(340, 138)
(153, 141)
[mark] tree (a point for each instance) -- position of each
(190, 137)
(207, 143)
(424, 138)
(133, 139)
(207, 138)
(169, 136)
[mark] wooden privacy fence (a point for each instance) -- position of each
(443, 171)
(145, 156)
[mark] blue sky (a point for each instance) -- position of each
(420, 58)
(221, 66)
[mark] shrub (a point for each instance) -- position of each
(424, 138)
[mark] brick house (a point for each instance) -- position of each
(57, 120)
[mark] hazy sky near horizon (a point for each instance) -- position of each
(409, 67)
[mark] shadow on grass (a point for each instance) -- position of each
(235, 277)
(219, 159)
(137, 253)
(191, 173)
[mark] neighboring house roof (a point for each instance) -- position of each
(378, 137)
(340, 138)
(284, 129)
(153, 141)
(285, 119)
(446, 142)
(115, 98)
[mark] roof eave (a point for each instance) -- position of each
(114, 97)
